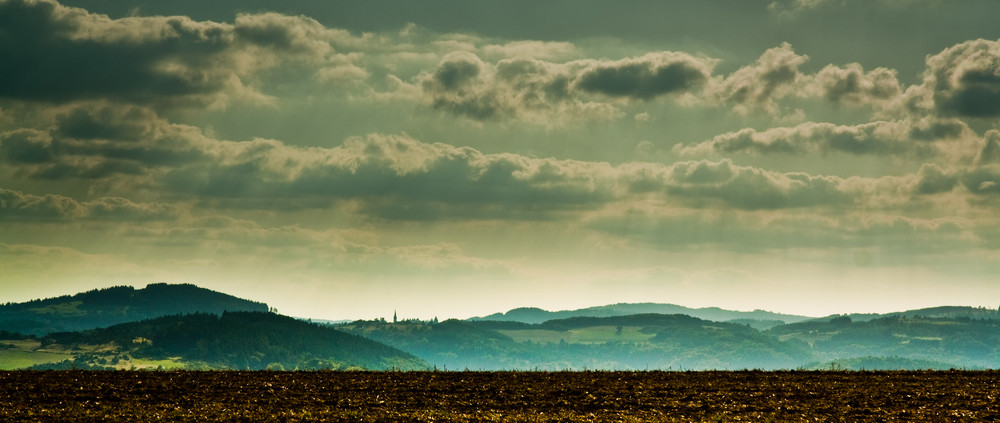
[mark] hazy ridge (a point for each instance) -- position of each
(184, 326)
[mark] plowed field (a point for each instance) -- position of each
(499, 396)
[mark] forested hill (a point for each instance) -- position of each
(232, 340)
(943, 312)
(119, 304)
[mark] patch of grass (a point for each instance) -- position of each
(141, 363)
(11, 359)
(71, 308)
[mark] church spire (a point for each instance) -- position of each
(394, 320)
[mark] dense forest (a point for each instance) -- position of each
(105, 307)
(237, 340)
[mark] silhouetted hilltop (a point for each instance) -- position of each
(119, 304)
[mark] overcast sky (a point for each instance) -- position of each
(452, 158)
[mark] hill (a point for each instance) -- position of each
(119, 304)
(715, 314)
(943, 312)
(959, 342)
(634, 342)
(656, 341)
(232, 340)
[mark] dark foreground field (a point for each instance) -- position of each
(499, 396)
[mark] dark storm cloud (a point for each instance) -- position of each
(26, 146)
(112, 123)
(57, 54)
(94, 141)
(646, 77)
(964, 80)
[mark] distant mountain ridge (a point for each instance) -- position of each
(114, 305)
(536, 315)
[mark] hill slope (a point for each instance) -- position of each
(634, 342)
(961, 342)
(232, 340)
(942, 312)
(120, 304)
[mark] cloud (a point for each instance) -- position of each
(399, 178)
(394, 176)
(757, 86)
(536, 90)
(19, 206)
(764, 232)
(935, 180)
(852, 85)
(990, 152)
(459, 85)
(542, 50)
(646, 77)
(149, 60)
(706, 184)
(926, 138)
(792, 8)
(964, 80)
(101, 140)
(982, 180)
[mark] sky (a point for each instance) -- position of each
(455, 158)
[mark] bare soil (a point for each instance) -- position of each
(74, 396)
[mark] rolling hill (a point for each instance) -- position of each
(184, 326)
(119, 304)
(633, 342)
(959, 342)
(942, 312)
(715, 314)
(232, 340)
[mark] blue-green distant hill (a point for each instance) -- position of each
(119, 304)
(715, 314)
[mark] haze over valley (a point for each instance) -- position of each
(182, 326)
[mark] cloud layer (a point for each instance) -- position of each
(398, 158)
